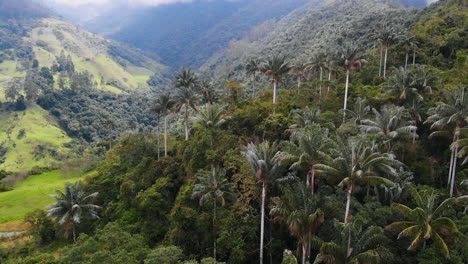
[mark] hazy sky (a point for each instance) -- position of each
(129, 2)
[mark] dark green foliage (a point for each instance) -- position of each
(112, 244)
(164, 255)
(95, 115)
(41, 227)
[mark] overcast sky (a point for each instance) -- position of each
(129, 2)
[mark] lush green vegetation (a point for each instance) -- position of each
(357, 154)
(30, 194)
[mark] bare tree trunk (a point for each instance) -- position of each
(298, 81)
(414, 55)
(165, 135)
(262, 221)
(385, 63)
(186, 123)
(348, 203)
(274, 91)
(329, 79)
(346, 95)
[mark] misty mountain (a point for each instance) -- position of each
(188, 33)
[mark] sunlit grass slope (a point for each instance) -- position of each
(30, 194)
(33, 138)
(88, 51)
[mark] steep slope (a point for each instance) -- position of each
(189, 33)
(30, 41)
(32, 138)
(319, 26)
(108, 61)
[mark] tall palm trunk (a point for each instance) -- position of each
(380, 63)
(253, 85)
(214, 230)
(348, 203)
(346, 95)
(262, 221)
(274, 91)
(385, 63)
(453, 166)
(329, 79)
(165, 134)
(321, 75)
(303, 254)
(74, 232)
(406, 59)
(159, 139)
(186, 122)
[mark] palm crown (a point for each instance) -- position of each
(72, 206)
(426, 221)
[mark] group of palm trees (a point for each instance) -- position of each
(351, 163)
(312, 151)
(190, 91)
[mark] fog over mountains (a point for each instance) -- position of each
(179, 32)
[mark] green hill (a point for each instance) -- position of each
(32, 138)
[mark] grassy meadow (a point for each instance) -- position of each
(30, 194)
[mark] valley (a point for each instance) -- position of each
(211, 132)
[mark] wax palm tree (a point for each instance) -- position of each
(211, 117)
(360, 110)
(318, 64)
(330, 65)
(299, 68)
(261, 159)
(301, 118)
(389, 124)
(213, 187)
(408, 42)
(400, 87)
(185, 79)
(350, 59)
(207, 91)
(186, 98)
(355, 246)
(163, 105)
(72, 206)
(426, 221)
(386, 35)
(305, 150)
(298, 209)
(253, 66)
(375, 35)
(355, 162)
(276, 66)
(453, 114)
(462, 144)
(422, 79)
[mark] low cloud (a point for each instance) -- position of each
(76, 3)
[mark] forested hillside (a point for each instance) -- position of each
(338, 137)
(186, 34)
(59, 83)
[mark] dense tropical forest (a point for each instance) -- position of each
(337, 134)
